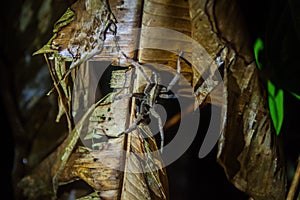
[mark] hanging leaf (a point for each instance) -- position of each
(40, 184)
(105, 165)
(163, 46)
(80, 33)
(248, 148)
(161, 14)
(154, 172)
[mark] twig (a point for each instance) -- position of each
(60, 95)
(295, 182)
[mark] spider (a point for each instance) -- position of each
(146, 101)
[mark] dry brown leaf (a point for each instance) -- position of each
(118, 165)
(78, 35)
(172, 15)
(248, 148)
(83, 36)
(39, 184)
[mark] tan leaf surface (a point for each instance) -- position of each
(171, 15)
(127, 14)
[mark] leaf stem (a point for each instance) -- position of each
(295, 182)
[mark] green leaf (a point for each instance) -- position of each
(275, 97)
(276, 106)
(64, 20)
(45, 49)
(297, 96)
(258, 47)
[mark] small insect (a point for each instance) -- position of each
(145, 102)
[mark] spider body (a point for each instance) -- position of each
(146, 101)
(150, 95)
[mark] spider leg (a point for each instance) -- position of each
(177, 76)
(122, 96)
(160, 126)
(137, 66)
(133, 125)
